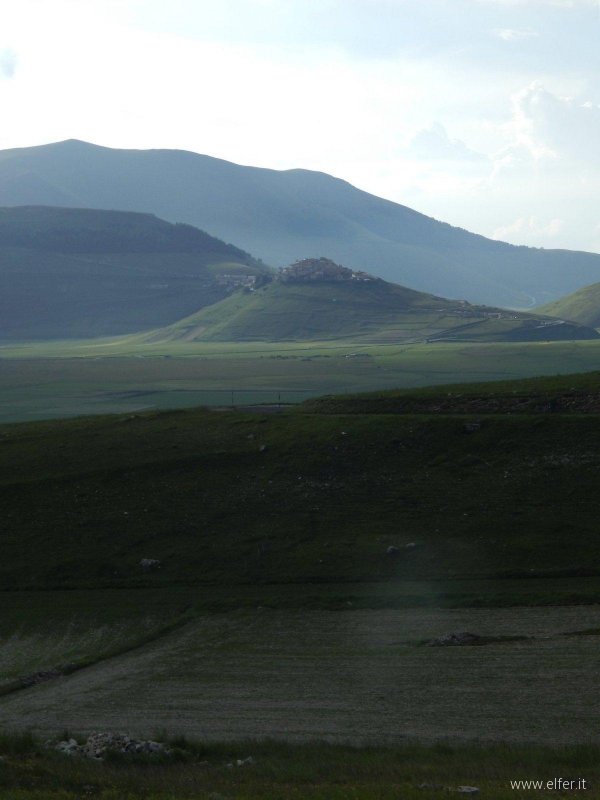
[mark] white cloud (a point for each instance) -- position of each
(557, 127)
(8, 63)
(434, 143)
(513, 35)
(523, 227)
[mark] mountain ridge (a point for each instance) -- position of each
(282, 215)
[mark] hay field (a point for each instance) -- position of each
(360, 677)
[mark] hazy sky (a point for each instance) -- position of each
(482, 113)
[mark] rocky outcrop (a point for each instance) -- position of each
(98, 745)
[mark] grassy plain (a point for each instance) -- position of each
(61, 379)
(278, 609)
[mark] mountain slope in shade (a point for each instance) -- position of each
(283, 215)
(80, 273)
(316, 299)
(582, 306)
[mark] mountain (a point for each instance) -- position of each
(79, 272)
(582, 306)
(283, 215)
(316, 299)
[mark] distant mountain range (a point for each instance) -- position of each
(282, 216)
(84, 273)
(316, 299)
(68, 273)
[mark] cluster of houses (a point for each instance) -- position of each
(239, 281)
(320, 269)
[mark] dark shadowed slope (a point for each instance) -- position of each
(281, 216)
(78, 272)
(228, 499)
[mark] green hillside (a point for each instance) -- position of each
(282, 215)
(582, 306)
(68, 273)
(304, 304)
(233, 499)
(271, 593)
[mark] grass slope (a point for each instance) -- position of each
(318, 497)
(372, 310)
(80, 272)
(315, 771)
(582, 306)
(279, 609)
(283, 215)
(572, 394)
(352, 676)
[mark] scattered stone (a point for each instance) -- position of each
(456, 640)
(69, 747)
(243, 762)
(263, 448)
(98, 745)
(471, 427)
(467, 790)
(410, 545)
(430, 786)
(148, 564)
(392, 550)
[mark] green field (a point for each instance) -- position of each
(306, 559)
(329, 703)
(352, 676)
(60, 379)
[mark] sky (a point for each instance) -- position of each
(481, 113)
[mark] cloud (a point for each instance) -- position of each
(434, 143)
(512, 35)
(525, 226)
(547, 176)
(8, 63)
(558, 127)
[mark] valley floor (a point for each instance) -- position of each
(63, 379)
